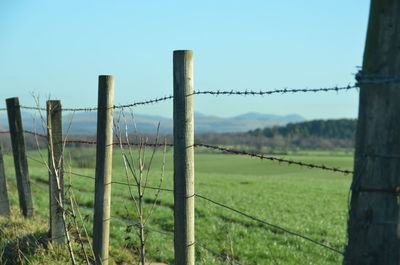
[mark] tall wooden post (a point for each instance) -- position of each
(56, 171)
(373, 227)
(4, 202)
(104, 148)
(183, 159)
(20, 161)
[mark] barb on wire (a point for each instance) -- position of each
(146, 102)
(88, 109)
(263, 157)
(269, 92)
(269, 224)
(215, 93)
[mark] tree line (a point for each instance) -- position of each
(331, 129)
(316, 134)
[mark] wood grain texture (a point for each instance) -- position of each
(20, 161)
(184, 241)
(373, 227)
(104, 150)
(4, 201)
(56, 171)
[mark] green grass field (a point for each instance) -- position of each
(307, 201)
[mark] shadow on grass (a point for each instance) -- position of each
(17, 250)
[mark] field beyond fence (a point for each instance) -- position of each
(242, 208)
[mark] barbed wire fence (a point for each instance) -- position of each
(360, 80)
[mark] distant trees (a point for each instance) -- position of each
(331, 129)
(316, 134)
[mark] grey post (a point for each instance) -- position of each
(184, 243)
(373, 226)
(56, 171)
(104, 150)
(20, 161)
(4, 202)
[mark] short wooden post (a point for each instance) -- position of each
(20, 161)
(56, 171)
(183, 159)
(4, 202)
(104, 149)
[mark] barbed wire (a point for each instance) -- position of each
(222, 149)
(269, 92)
(269, 224)
(272, 158)
(218, 204)
(232, 209)
(360, 78)
(221, 205)
(247, 92)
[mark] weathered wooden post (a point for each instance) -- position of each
(373, 227)
(184, 243)
(56, 171)
(104, 149)
(4, 202)
(20, 161)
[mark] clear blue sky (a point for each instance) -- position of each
(58, 48)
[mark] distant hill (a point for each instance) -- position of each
(270, 117)
(85, 122)
(343, 129)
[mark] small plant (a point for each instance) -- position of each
(137, 171)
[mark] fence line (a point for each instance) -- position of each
(135, 223)
(269, 224)
(247, 92)
(197, 243)
(219, 148)
(223, 206)
(271, 158)
(360, 79)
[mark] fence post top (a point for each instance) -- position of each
(53, 101)
(183, 51)
(12, 99)
(105, 76)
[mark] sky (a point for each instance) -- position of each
(57, 49)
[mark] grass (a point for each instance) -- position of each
(307, 201)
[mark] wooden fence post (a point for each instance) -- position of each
(104, 149)
(184, 243)
(20, 161)
(4, 202)
(56, 171)
(373, 226)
